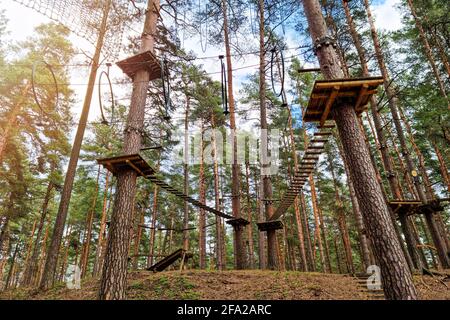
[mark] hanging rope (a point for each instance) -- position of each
(203, 46)
(275, 55)
(166, 88)
(224, 87)
(33, 85)
(106, 74)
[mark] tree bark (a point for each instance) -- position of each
(363, 241)
(239, 245)
(114, 276)
(396, 278)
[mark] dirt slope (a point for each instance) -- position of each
(233, 285)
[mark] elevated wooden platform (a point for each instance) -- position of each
(407, 207)
(126, 162)
(145, 60)
(170, 259)
(410, 207)
(327, 94)
(270, 225)
(237, 222)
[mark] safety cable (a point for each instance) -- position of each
(33, 85)
(106, 74)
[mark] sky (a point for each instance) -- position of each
(22, 21)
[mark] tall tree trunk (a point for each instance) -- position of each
(114, 275)
(202, 218)
(317, 232)
(428, 51)
(396, 278)
(219, 232)
(151, 258)
(239, 246)
(32, 268)
(384, 150)
(309, 248)
(300, 232)
(87, 243)
(341, 219)
(251, 249)
(393, 102)
(29, 248)
(266, 196)
(363, 241)
(442, 166)
(260, 210)
(137, 240)
(102, 231)
(186, 175)
(53, 252)
(12, 266)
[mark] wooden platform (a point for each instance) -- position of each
(404, 206)
(237, 222)
(170, 259)
(327, 94)
(145, 60)
(410, 207)
(126, 162)
(270, 225)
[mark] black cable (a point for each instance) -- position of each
(166, 88)
(224, 87)
(33, 85)
(106, 73)
(281, 94)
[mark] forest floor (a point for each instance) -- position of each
(233, 285)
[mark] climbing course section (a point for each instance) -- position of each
(326, 95)
(142, 168)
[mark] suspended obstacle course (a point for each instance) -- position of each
(326, 95)
(142, 168)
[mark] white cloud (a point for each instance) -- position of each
(387, 16)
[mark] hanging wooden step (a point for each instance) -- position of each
(126, 162)
(142, 61)
(270, 225)
(327, 94)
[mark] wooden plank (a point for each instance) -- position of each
(329, 104)
(362, 94)
(347, 83)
